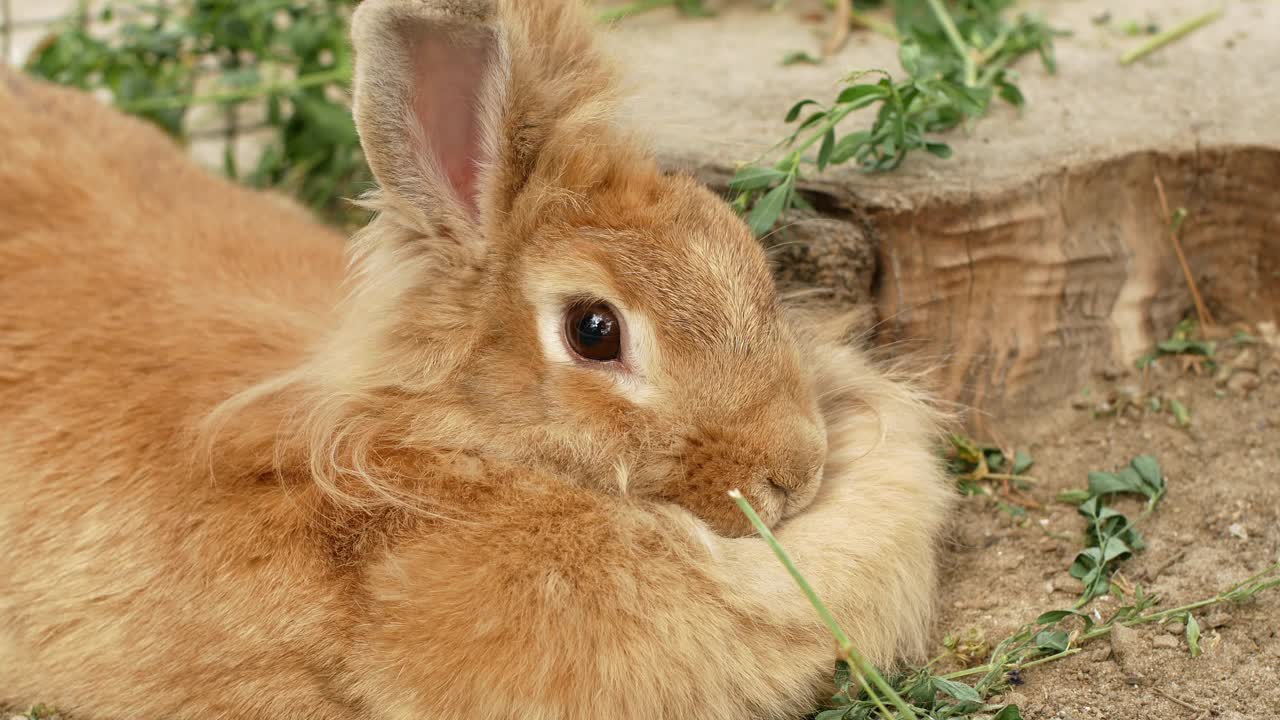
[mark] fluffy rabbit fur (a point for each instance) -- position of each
(235, 488)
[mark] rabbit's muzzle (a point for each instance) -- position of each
(777, 466)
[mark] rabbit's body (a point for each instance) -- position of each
(136, 293)
(228, 494)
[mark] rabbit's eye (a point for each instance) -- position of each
(593, 331)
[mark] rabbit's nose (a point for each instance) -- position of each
(795, 470)
(787, 481)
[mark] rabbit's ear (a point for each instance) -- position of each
(429, 84)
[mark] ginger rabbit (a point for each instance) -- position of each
(480, 472)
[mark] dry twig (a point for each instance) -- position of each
(840, 20)
(1202, 312)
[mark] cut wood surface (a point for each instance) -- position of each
(1038, 253)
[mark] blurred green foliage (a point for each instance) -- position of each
(279, 69)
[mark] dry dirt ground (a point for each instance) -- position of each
(1219, 524)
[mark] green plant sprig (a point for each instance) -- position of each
(1183, 341)
(1164, 38)
(989, 471)
(1032, 645)
(921, 693)
(956, 61)
(1110, 535)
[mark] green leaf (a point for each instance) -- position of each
(328, 122)
(1148, 468)
(1073, 497)
(1052, 642)
(812, 120)
(1114, 548)
(957, 690)
(1012, 95)
(694, 8)
(1181, 414)
(966, 449)
(921, 691)
(938, 149)
(1008, 712)
(909, 56)
(843, 675)
(861, 95)
(796, 57)
(824, 151)
(1086, 563)
(1105, 483)
(794, 112)
(1193, 635)
(755, 178)
(1022, 462)
(836, 714)
(848, 146)
(1091, 507)
(970, 101)
(1054, 616)
(769, 208)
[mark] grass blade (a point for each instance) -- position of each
(866, 669)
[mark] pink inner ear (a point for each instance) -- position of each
(449, 74)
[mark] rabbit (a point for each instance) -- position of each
(472, 464)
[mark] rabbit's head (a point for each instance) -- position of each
(535, 288)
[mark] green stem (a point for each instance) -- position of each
(846, 645)
(1056, 656)
(1011, 665)
(990, 51)
(833, 118)
(1168, 36)
(953, 34)
(884, 711)
(989, 70)
(1097, 632)
(635, 8)
(1150, 507)
(828, 123)
(338, 74)
(1004, 476)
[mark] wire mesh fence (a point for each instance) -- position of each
(24, 22)
(27, 25)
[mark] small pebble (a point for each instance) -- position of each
(1244, 382)
(1115, 373)
(1246, 360)
(1236, 530)
(1218, 618)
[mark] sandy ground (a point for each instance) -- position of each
(1219, 524)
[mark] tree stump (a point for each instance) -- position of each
(1038, 254)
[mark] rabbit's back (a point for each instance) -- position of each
(127, 271)
(137, 291)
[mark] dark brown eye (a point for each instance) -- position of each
(593, 331)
